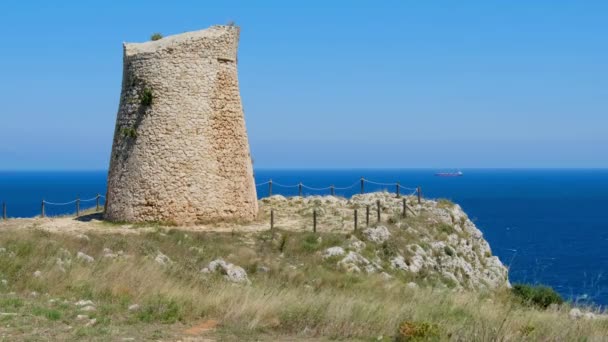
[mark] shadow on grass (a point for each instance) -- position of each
(90, 217)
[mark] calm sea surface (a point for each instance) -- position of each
(549, 226)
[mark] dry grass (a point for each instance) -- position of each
(301, 296)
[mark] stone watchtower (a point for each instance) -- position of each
(180, 152)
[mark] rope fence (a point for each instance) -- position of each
(300, 186)
(77, 201)
(332, 188)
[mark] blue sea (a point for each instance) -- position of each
(548, 226)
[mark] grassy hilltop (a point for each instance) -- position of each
(68, 279)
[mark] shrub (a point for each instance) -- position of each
(446, 228)
(417, 331)
(156, 36)
(445, 203)
(160, 309)
(146, 97)
(129, 132)
(537, 295)
(50, 314)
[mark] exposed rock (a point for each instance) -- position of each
(231, 272)
(333, 251)
(37, 274)
(377, 235)
(575, 313)
(162, 259)
(134, 307)
(84, 302)
(356, 244)
(88, 308)
(353, 262)
(83, 257)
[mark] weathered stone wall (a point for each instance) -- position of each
(185, 156)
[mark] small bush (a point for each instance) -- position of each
(146, 97)
(156, 36)
(160, 309)
(129, 132)
(539, 295)
(446, 228)
(50, 314)
(445, 203)
(416, 331)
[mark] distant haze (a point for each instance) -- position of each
(349, 84)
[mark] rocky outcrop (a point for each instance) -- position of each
(180, 151)
(436, 243)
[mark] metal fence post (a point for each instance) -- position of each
(314, 220)
(300, 189)
(362, 185)
(77, 206)
(419, 191)
(404, 208)
(355, 220)
(367, 215)
(332, 190)
(270, 188)
(42, 209)
(397, 188)
(378, 209)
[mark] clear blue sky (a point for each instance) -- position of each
(439, 84)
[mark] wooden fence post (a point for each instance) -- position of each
(378, 209)
(367, 215)
(77, 206)
(42, 209)
(397, 188)
(314, 220)
(4, 210)
(355, 219)
(362, 185)
(270, 188)
(332, 190)
(97, 203)
(419, 191)
(300, 189)
(404, 208)
(271, 219)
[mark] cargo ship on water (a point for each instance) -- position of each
(449, 174)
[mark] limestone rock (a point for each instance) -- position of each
(180, 151)
(356, 244)
(333, 251)
(353, 262)
(233, 273)
(162, 259)
(377, 235)
(84, 257)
